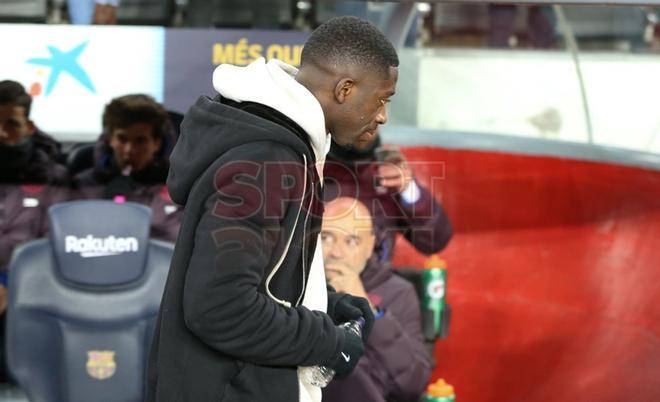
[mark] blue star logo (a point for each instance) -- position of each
(64, 62)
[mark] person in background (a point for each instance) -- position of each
(540, 27)
(395, 366)
(98, 12)
(30, 181)
(388, 187)
(131, 161)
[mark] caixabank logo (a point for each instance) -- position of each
(62, 62)
(72, 72)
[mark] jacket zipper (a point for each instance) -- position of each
(288, 244)
(304, 249)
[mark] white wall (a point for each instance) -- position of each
(503, 92)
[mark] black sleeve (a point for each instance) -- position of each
(224, 301)
(426, 224)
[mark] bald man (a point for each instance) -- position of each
(395, 366)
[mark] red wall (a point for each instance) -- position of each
(553, 277)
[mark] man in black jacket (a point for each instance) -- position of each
(30, 181)
(30, 177)
(246, 305)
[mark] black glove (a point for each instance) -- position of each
(343, 307)
(350, 354)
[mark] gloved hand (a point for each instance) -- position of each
(343, 307)
(350, 354)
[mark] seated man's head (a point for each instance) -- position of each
(15, 124)
(348, 239)
(352, 70)
(136, 126)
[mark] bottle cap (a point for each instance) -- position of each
(435, 262)
(440, 389)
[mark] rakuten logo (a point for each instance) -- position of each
(91, 246)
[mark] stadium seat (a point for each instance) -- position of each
(9, 393)
(606, 22)
(459, 18)
(23, 10)
(145, 12)
(261, 14)
(79, 158)
(82, 305)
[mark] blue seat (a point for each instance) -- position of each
(80, 157)
(83, 304)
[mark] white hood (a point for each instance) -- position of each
(273, 84)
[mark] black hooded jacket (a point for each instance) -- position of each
(231, 327)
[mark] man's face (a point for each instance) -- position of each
(134, 146)
(14, 124)
(347, 235)
(365, 145)
(364, 110)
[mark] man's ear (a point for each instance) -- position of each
(344, 88)
(32, 127)
(159, 142)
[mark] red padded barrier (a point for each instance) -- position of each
(553, 277)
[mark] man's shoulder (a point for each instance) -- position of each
(47, 144)
(44, 168)
(262, 151)
(396, 289)
(85, 178)
(401, 284)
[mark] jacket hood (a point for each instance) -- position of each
(273, 84)
(213, 126)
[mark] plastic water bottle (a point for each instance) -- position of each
(320, 376)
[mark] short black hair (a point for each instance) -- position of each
(127, 110)
(11, 92)
(349, 40)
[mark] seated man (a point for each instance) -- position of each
(132, 161)
(395, 366)
(28, 171)
(30, 180)
(398, 203)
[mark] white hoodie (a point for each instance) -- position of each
(273, 84)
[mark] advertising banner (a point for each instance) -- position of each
(192, 54)
(73, 71)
